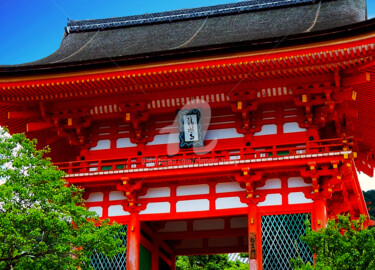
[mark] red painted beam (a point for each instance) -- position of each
(12, 115)
(174, 174)
(37, 126)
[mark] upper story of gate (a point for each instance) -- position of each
(270, 79)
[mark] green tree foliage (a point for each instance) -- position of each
(43, 222)
(209, 262)
(370, 197)
(343, 245)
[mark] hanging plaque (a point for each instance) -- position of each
(252, 246)
(190, 128)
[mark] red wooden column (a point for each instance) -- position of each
(320, 214)
(253, 238)
(173, 263)
(155, 257)
(134, 234)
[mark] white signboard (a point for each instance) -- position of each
(191, 128)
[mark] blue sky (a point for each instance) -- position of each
(33, 29)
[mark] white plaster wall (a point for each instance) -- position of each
(298, 198)
(193, 205)
(228, 187)
(192, 190)
(102, 145)
(97, 209)
(272, 199)
(117, 210)
(124, 142)
(292, 128)
(297, 182)
(157, 208)
(267, 130)
(274, 183)
(95, 197)
(229, 203)
(225, 133)
(116, 195)
(165, 138)
(157, 192)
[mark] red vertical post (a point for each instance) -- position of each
(134, 234)
(155, 257)
(253, 238)
(320, 214)
(173, 263)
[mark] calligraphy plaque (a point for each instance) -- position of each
(190, 128)
(252, 246)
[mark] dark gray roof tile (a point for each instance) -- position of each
(147, 38)
(182, 14)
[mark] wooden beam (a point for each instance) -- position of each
(23, 114)
(203, 234)
(37, 126)
(356, 79)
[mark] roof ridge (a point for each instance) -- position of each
(180, 14)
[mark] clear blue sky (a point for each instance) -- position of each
(33, 29)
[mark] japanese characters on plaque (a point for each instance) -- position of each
(252, 246)
(190, 128)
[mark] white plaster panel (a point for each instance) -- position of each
(191, 243)
(157, 192)
(157, 208)
(228, 187)
(117, 210)
(193, 190)
(274, 183)
(208, 224)
(175, 226)
(229, 203)
(222, 242)
(297, 182)
(102, 145)
(124, 142)
(267, 130)
(272, 199)
(97, 209)
(116, 195)
(292, 127)
(193, 205)
(225, 133)
(238, 222)
(95, 197)
(165, 139)
(298, 198)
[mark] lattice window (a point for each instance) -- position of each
(101, 262)
(281, 240)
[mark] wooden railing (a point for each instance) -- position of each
(187, 157)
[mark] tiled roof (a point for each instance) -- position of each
(240, 26)
(182, 14)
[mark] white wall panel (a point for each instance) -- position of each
(272, 199)
(193, 205)
(229, 203)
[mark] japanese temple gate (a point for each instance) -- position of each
(210, 130)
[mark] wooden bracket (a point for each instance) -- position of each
(137, 114)
(247, 178)
(131, 190)
(244, 103)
